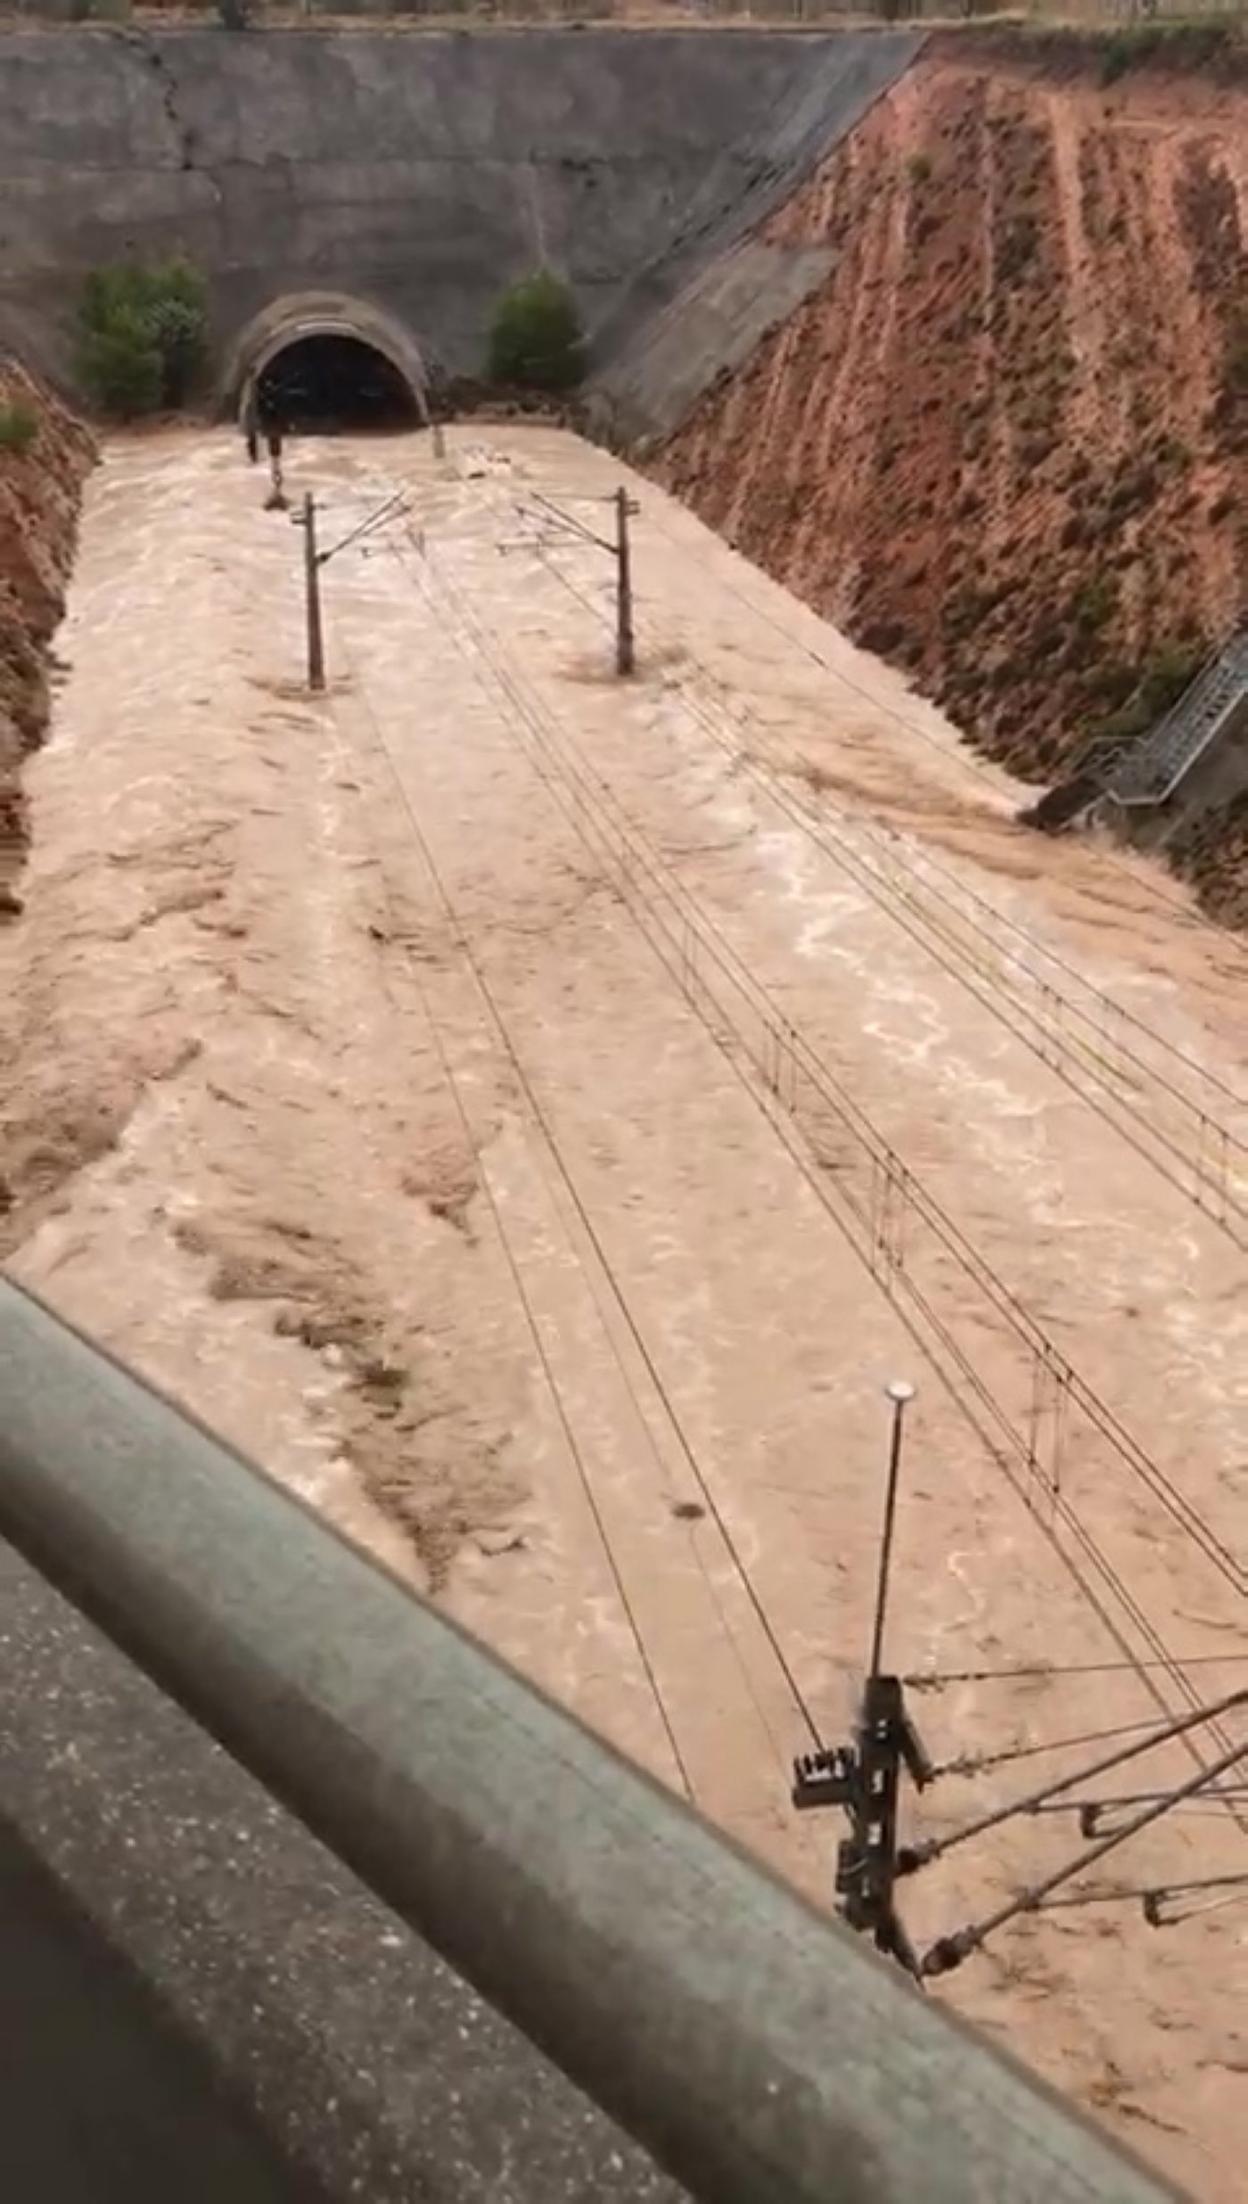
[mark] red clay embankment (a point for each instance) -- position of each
(45, 455)
(1006, 444)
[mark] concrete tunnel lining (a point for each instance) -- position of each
(291, 319)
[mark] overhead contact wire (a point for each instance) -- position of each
(1089, 1546)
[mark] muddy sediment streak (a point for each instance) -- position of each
(1006, 444)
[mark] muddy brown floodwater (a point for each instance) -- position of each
(536, 1114)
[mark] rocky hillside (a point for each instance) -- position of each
(1006, 445)
(44, 457)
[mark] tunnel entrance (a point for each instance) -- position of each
(326, 382)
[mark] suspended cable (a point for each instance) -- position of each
(936, 1679)
(948, 1952)
(501, 675)
(392, 509)
(583, 806)
(934, 1848)
(724, 957)
(534, 1329)
(976, 1763)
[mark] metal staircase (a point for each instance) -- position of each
(1152, 768)
(1144, 773)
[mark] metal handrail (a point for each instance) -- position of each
(1153, 767)
(751, 2043)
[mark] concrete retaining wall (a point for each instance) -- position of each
(418, 172)
(701, 306)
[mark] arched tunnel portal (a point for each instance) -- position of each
(320, 362)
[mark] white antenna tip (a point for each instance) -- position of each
(899, 1390)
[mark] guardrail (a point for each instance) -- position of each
(756, 2048)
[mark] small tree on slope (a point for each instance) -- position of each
(536, 339)
(142, 335)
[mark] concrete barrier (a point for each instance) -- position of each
(198, 2001)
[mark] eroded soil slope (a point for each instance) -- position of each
(44, 455)
(1006, 445)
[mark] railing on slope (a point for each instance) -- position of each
(1145, 772)
(1151, 770)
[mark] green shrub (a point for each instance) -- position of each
(1154, 686)
(919, 168)
(142, 335)
(177, 329)
(1170, 669)
(19, 426)
(122, 369)
(536, 337)
(1094, 602)
(1177, 45)
(1127, 49)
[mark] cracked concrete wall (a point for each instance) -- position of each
(418, 172)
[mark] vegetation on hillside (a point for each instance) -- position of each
(19, 426)
(142, 335)
(536, 341)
